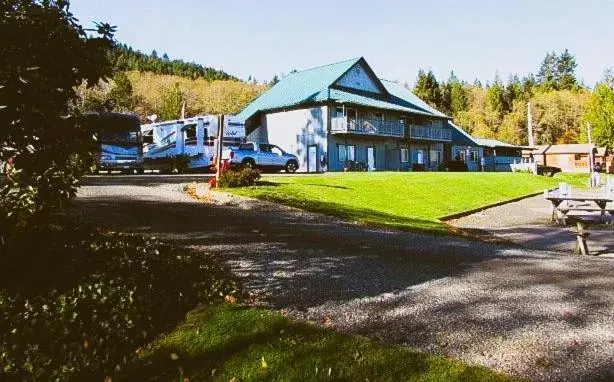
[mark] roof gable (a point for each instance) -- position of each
(361, 77)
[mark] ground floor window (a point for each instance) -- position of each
(347, 153)
(342, 155)
(420, 157)
(404, 155)
(460, 155)
(435, 156)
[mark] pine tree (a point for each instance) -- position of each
(122, 93)
(427, 88)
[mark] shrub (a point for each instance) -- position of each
(110, 295)
(238, 177)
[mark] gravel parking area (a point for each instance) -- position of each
(535, 314)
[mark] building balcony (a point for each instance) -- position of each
(430, 133)
(367, 127)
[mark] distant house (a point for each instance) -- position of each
(571, 157)
(481, 154)
(342, 115)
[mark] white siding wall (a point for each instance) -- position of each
(295, 130)
(357, 78)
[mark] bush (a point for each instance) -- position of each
(457, 165)
(109, 295)
(238, 177)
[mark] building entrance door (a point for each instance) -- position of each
(312, 158)
(371, 158)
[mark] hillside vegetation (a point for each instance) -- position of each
(562, 106)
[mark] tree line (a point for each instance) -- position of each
(561, 105)
(124, 58)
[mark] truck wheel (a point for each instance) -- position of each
(249, 163)
(291, 166)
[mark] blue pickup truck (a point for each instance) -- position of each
(263, 156)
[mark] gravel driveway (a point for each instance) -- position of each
(535, 314)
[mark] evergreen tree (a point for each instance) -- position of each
(427, 88)
(557, 72)
(274, 81)
(566, 66)
(122, 93)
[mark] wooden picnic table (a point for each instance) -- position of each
(556, 200)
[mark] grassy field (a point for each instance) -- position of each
(232, 342)
(408, 200)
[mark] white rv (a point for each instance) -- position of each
(191, 138)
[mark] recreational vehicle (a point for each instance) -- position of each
(119, 141)
(187, 143)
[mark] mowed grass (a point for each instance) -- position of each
(233, 342)
(408, 200)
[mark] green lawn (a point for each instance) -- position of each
(232, 342)
(408, 200)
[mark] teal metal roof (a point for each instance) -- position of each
(487, 142)
(460, 137)
(404, 95)
(314, 85)
(357, 99)
(299, 87)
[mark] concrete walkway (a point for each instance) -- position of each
(534, 314)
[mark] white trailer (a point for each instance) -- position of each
(191, 138)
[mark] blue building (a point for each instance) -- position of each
(342, 114)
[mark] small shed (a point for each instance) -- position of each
(573, 157)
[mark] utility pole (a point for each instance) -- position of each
(220, 146)
(591, 146)
(530, 125)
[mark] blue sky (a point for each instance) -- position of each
(262, 38)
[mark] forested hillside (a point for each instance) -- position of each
(148, 84)
(125, 59)
(561, 107)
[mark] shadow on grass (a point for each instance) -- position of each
(228, 342)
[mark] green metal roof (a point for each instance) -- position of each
(487, 142)
(404, 95)
(314, 85)
(299, 87)
(357, 99)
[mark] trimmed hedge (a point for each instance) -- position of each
(124, 291)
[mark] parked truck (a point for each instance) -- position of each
(262, 156)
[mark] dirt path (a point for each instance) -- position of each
(539, 315)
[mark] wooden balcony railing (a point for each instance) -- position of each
(431, 133)
(367, 127)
